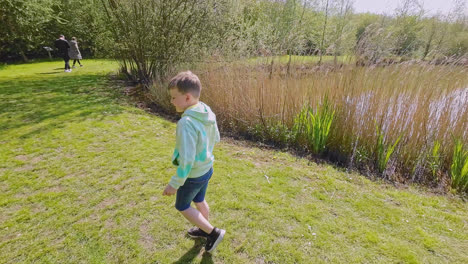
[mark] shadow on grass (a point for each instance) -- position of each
(193, 253)
(206, 259)
(49, 72)
(54, 71)
(49, 103)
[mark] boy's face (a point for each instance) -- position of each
(179, 100)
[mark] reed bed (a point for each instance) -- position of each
(398, 121)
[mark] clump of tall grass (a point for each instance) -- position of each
(312, 126)
(459, 167)
(383, 150)
(434, 160)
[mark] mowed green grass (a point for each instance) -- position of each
(82, 171)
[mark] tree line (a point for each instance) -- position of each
(27, 26)
(150, 34)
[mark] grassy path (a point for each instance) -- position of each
(82, 171)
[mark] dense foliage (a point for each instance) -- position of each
(27, 26)
(190, 29)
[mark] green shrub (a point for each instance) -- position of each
(383, 151)
(459, 167)
(314, 128)
(272, 131)
(434, 160)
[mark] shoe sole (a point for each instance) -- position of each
(220, 238)
(192, 236)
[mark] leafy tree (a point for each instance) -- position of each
(327, 2)
(429, 31)
(86, 20)
(22, 25)
(457, 45)
(153, 35)
(362, 22)
(312, 23)
(406, 27)
(375, 42)
(342, 15)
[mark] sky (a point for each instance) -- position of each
(388, 6)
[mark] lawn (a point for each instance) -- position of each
(82, 171)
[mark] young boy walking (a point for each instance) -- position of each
(197, 133)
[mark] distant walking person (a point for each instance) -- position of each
(62, 45)
(74, 52)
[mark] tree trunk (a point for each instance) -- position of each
(323, 33)
(427, 48)
(429, 41)
(25, 59)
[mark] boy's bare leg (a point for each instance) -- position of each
(196, 218)
(204, 209)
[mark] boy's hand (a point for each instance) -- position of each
(169, 190)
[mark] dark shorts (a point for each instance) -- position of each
(194, 189)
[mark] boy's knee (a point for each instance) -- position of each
(201, 204)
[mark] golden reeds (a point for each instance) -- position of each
(421, 103)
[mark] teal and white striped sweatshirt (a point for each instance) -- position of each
(197, 133)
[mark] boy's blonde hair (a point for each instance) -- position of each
(186, 82)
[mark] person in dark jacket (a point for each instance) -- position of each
(62, 45)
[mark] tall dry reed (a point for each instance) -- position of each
(416, 105)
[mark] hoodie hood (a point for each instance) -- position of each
(202, 113)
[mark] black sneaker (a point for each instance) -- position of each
(213, 239)
(196, 232)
